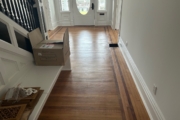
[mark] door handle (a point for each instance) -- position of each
(92, 6)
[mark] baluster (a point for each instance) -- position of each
(43, 19)
(15, 11)
(11, 10)
(25, 14)
(6, 8)
(2, 6)
(32, 12)
(36, 17)
(29, 14)
(19, 12)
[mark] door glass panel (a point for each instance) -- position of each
(101, 4)
(65, 5)
(83, 6)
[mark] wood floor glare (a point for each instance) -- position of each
(99, 87)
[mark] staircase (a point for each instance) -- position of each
(22, 12)
(18, 18)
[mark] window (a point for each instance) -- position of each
(101, 5)
(83, 6)
(65, 5)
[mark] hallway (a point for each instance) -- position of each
(99, 87)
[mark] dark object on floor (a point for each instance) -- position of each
(113, 45)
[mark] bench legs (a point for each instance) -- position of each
(67, 66)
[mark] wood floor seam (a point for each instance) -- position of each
(129, 100)
(59, 29)
(114, 53)
(120, 101)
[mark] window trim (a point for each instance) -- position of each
(98, 7)
(68, 6)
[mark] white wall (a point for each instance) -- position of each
(52, 16)
(47, 14)
(152, 30)
(113, 15)
(118, 14)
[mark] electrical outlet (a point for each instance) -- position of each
(126, 43)
(155, 89)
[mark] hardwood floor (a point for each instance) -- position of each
(113, 34)
(99, 87)
(53, 32)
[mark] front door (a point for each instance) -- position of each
(83, 11)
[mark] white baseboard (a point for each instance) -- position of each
(64, 23)
(102, 23)
(55, 25)
(146, 96)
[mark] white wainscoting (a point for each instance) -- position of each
(102, 20)
(66, 19)
(14, 63)
(148, 100)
